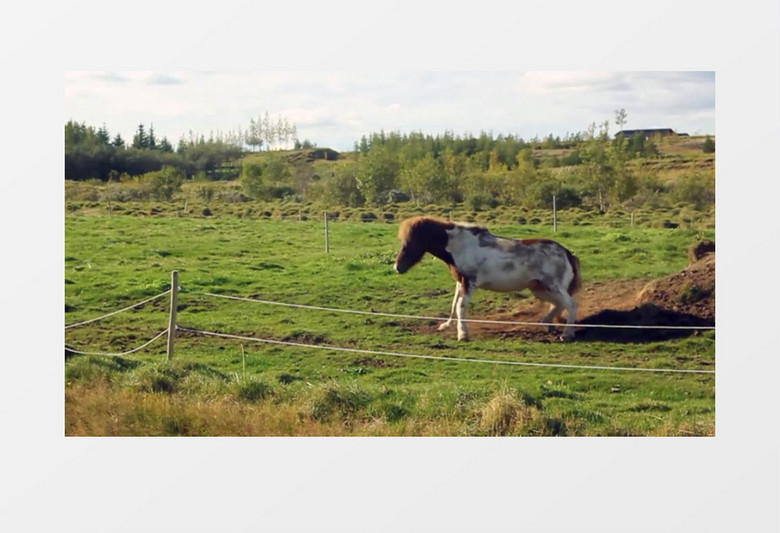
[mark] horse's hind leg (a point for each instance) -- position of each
(556, 306)
(567, 301)
(572, 306)
(560, 300)
(448, 323)
(555, 311)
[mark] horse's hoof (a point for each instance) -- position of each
(566, 338)
(444, 326)
(463, 338)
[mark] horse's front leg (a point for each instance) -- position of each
(448, 323)
(466, 290)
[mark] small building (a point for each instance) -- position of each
(648, 133)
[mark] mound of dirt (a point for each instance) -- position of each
(691, 291)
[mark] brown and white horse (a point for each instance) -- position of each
(479, 259)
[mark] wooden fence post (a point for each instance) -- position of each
(555, 216)
(327, 236)
(172, 319)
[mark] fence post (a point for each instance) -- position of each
(174, 304)
(555, 216)
(327, 236)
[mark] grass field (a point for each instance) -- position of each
(224, 386)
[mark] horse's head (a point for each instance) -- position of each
(419, 235)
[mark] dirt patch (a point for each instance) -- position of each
(686, 298)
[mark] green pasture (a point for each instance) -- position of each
(256, 388)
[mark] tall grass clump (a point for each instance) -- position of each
(97, 369)
(252, 389)
(505, 414)
(337, 401)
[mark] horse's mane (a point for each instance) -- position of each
(410, 225)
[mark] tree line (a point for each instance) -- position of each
(589, 168)
(485, 171)
(93, 153)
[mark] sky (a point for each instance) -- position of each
(336, 108)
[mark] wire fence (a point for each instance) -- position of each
(113, 313)
(439, 357)
(443, 319)
(120, 354)
(128, 308)
(174, 328)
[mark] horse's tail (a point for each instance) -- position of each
(576, 282)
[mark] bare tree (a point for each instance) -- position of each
(267, 130)
(621, 117)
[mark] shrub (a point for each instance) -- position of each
(573, 158)
(340, 188)
(540, 195)
(697, 189)
(397, 196)
(82, 191)
(206, 192)
(165, 182)
(252, 178)
(478, 202)
(377, 173)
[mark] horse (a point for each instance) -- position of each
(477, 259)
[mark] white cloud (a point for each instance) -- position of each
(582, 82)
(335, 108)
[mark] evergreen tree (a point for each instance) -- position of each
(364, 146)
(165, 146)
(140, 139)
(102, 136)
(151, 141)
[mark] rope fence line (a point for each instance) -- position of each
(119, 311)
(173, 328)
(138, 349)
(441, 358)
(441, 319)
